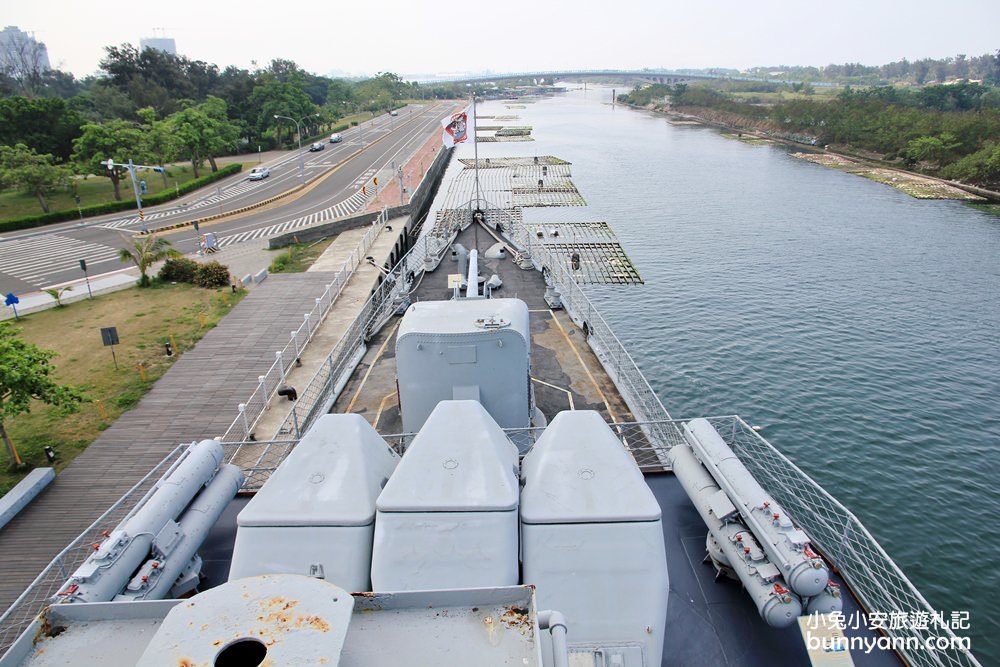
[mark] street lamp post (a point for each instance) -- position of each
(298, 132)
(111, 164)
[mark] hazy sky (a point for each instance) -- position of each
(416, 37)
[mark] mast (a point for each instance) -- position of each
(475, 146)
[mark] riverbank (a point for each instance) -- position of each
(915, 184)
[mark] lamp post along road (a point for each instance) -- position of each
(298, 132)
(131, 166)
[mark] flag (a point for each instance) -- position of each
(458, 127)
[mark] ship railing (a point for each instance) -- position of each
(645, 405)
(242, 426)
(391, 296)
(46, 585)
(872, 575)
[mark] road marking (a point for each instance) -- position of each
(31, 259)
(569, 394)
(586, 370)
(371, 366)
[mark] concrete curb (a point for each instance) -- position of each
(26, 490)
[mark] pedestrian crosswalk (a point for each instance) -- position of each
(37, 260)
(34, 258)
(133, 220)
(350, 205)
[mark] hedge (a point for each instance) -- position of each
(27, 222)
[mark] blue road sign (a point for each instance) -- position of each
(12, 299)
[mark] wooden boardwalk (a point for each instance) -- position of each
(194, 400)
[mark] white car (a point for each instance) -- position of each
(259, 173)
(335, 138)
(393, 113)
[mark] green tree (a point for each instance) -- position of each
(117, 140)
(144, 251)
(25, 376)
(47, 124)
(101, 102)
(204, 131)
(339, 98)
(33, 174)
(275, 98)
(159, 139)
(932, 149)
(981, 167)
(57, 294)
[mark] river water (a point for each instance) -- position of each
(858, 326)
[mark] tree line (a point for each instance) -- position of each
(952, 131)
(155, 108)
(984, 68)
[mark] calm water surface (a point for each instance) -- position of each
(859, 326)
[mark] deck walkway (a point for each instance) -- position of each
(346, 309)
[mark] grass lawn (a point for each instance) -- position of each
(298, 257)
(94, 190)
(145, 319)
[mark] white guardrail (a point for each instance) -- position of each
(269, 383)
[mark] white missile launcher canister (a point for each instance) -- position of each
(315, 516)
(448, 516)
(591, 531)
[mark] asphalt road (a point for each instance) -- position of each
(334, 177)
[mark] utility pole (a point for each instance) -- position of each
(131, 166)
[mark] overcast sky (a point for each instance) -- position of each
(418, 37)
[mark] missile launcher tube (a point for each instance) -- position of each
(194, 525)
(777, 606)
(108, 569)
(786, 545)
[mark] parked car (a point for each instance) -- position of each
(259, 173)
(335, 138)
(318, 146)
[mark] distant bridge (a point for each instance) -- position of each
(664, 76)
(668, 77)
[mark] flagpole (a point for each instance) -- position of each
(475, 145)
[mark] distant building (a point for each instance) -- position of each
(21, 54)
(165, 44)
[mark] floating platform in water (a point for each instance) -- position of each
(501, 162)
(589, 251)
(498, 138)
(516, 182)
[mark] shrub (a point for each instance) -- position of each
(278, 264)
(178, 270)
(354, 123)
(211, 274)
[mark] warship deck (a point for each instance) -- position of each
(710, 622)
(565, 373)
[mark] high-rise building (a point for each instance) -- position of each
(165, 44)
(21, 54)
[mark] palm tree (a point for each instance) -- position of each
(145, 252)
